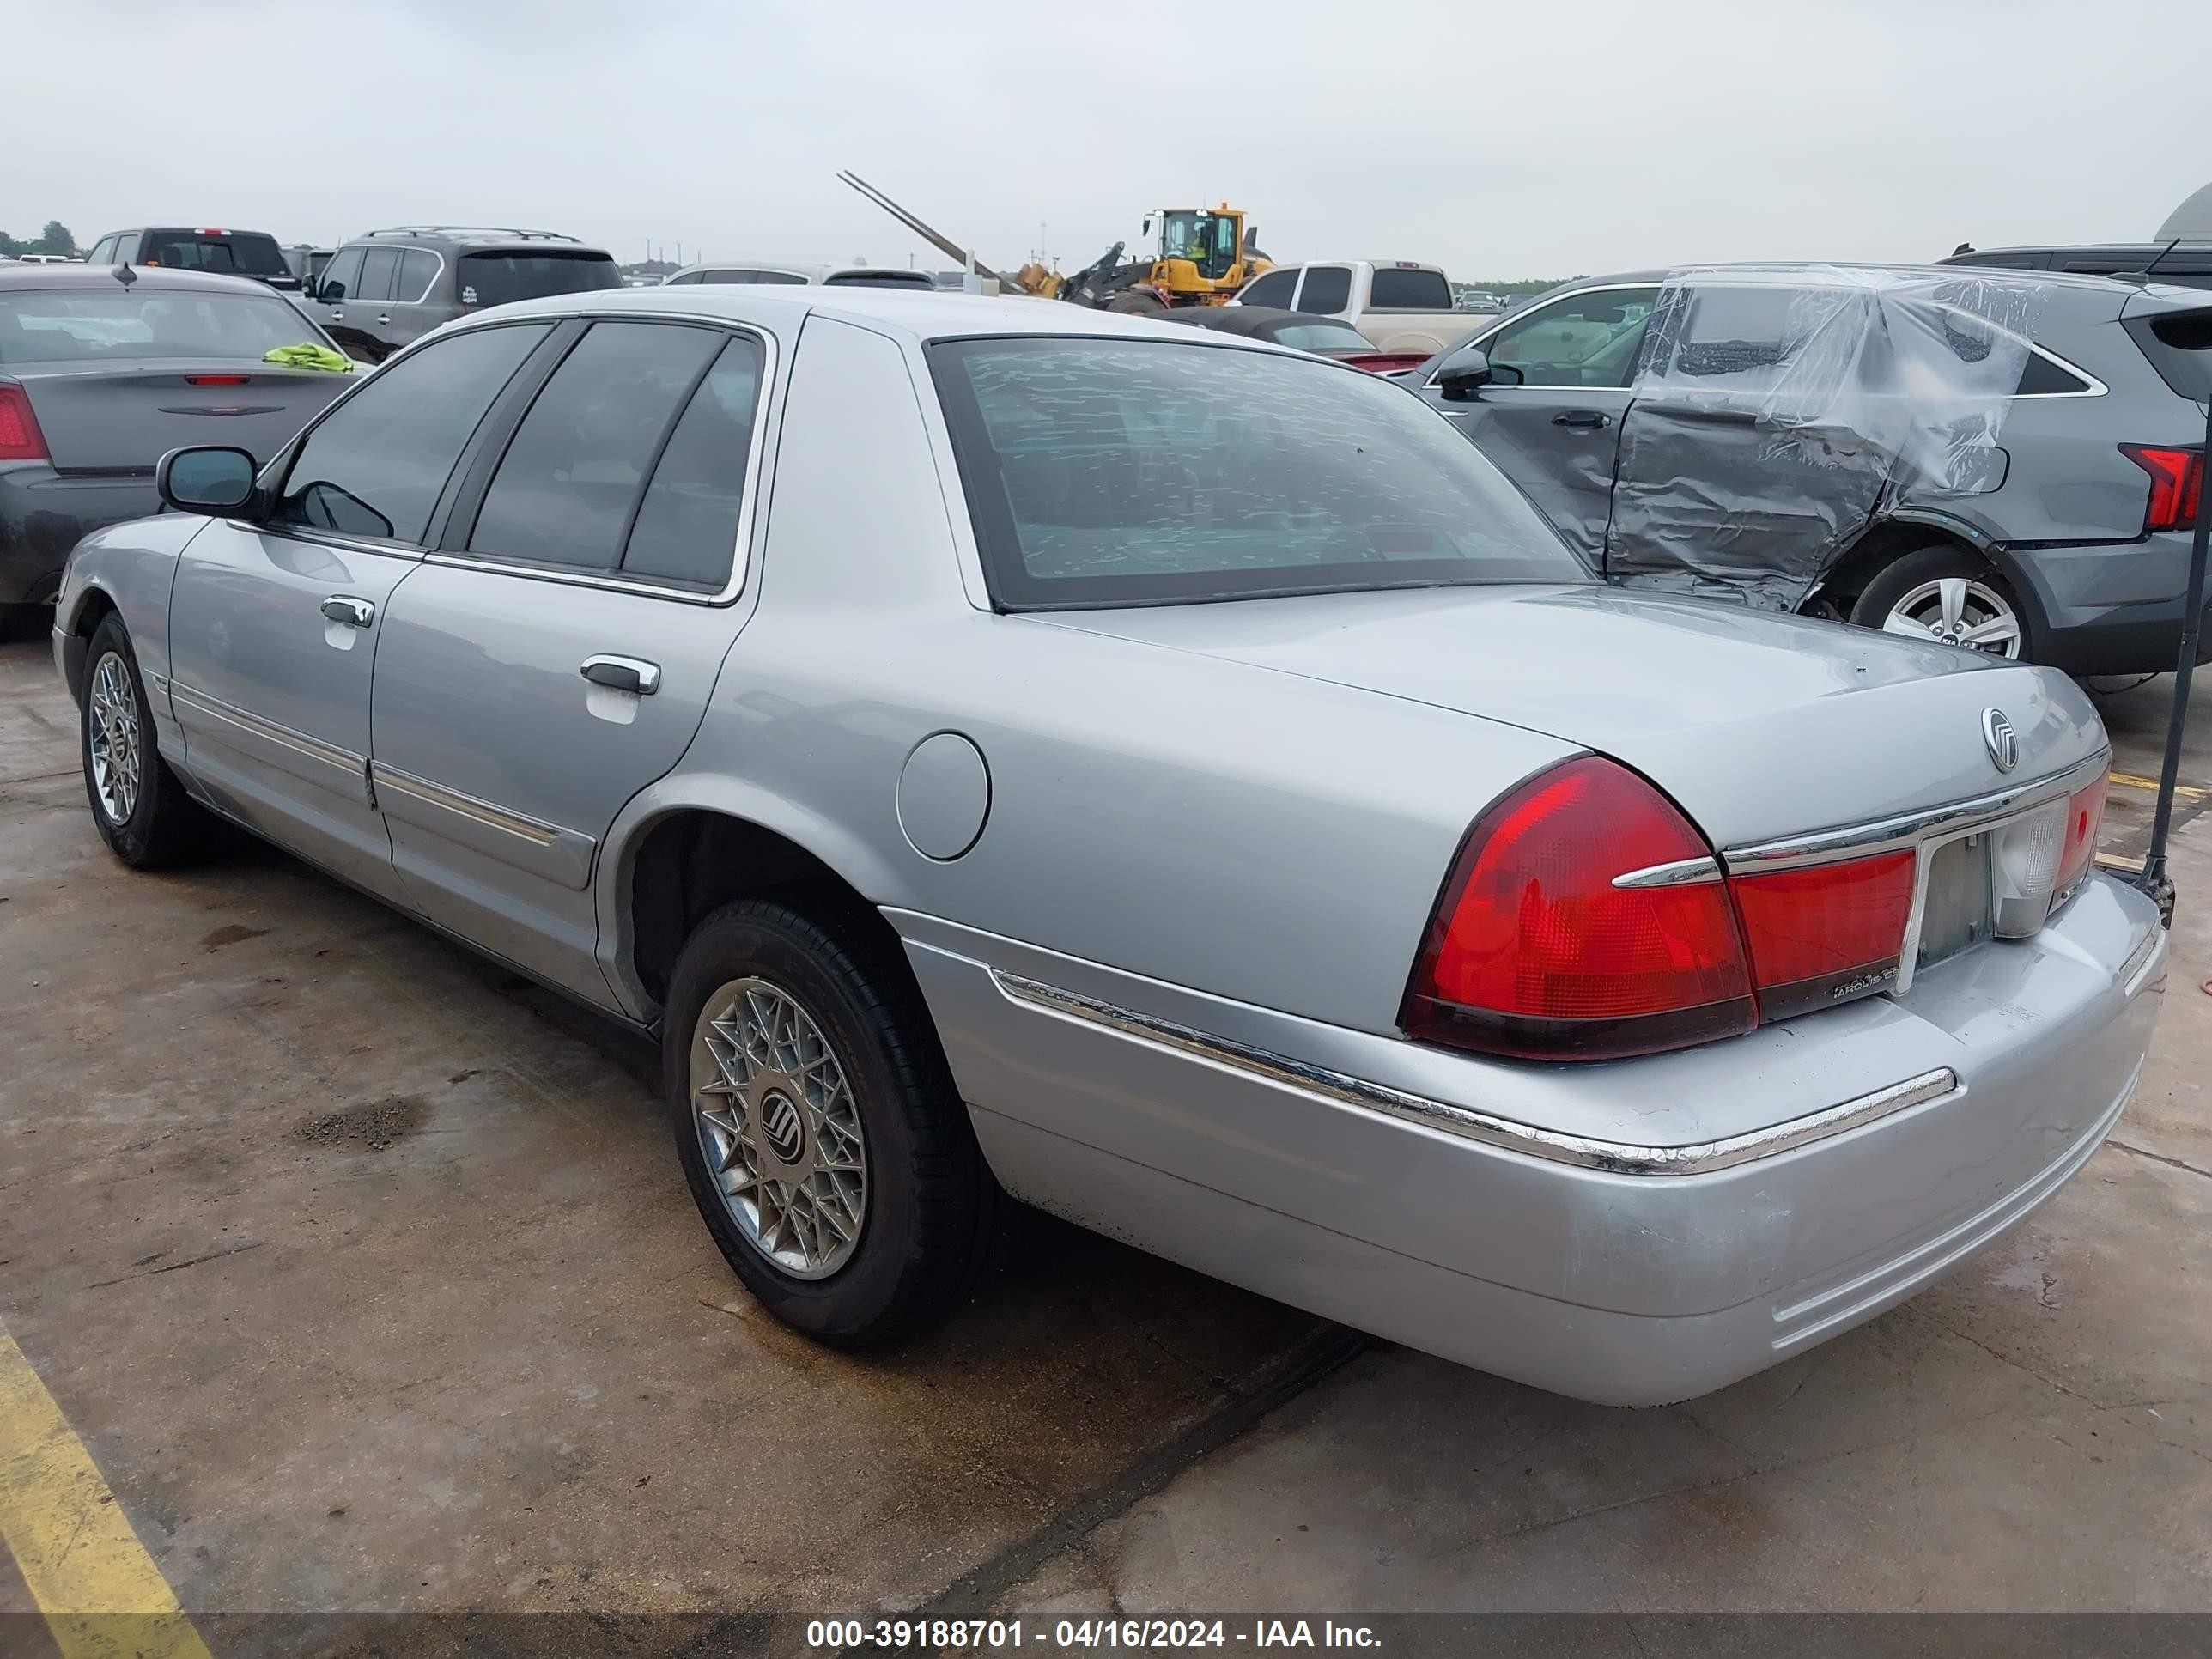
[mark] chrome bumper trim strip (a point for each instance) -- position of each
(1619, 1157)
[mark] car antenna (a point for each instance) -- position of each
(2142, 278)
(124, 275)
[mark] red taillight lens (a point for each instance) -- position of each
(2177, 485)
(1533, 952)
(2085, 817)
(1818, 935)
(19, 437)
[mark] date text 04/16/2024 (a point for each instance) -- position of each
(951, 1635)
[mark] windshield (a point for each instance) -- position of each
(1208, 240)
(89, 325)
(1109, 472)
(494, 279)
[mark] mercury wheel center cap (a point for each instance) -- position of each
(782, 1127)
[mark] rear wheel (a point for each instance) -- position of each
(141, 811)
(819, 1129)
(1947, 594)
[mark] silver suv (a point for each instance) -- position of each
(2069, 546)
(387, 289)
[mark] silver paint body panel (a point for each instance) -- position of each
(1228, 822)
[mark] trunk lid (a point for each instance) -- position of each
(1762, 726)
(124, 417)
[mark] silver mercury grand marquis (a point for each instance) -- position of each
(1176, 782)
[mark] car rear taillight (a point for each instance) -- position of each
(1535, 950)
(2177, 485)
(1384, 362)
(1825, 932)
(2085, 817)
(19, 437)
(214, 379)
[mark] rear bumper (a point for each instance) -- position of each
(1625, 1289)
(44, 513)
(2107, 609)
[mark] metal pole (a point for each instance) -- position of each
(2155, 881)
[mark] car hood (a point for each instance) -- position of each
(1761, 726)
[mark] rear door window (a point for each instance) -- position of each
(1328, 289)
(1588, 340)
(686, 529)
(1410, 290)
(568, 485)
(496, 278)
(377, 464)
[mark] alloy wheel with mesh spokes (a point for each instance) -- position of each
(114, 741)
(773, 1110)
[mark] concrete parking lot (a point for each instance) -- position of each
(365, 1274)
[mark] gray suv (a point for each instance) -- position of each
(386, 289)
(2070, 547)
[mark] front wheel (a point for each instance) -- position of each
(1946, 593)
(818, 1127)
(1137, 302)
(140, 808)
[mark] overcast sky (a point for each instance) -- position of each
(1541, 138)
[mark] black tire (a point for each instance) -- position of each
(1137, 302)
(165, 826)
(1902, 575)
(931, 1205)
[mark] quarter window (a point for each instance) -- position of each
(418, 268)
(376, 466)
(569, 484)
(1584, 340)
(687, 525)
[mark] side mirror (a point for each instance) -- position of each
(211, 479)
(1465, 373)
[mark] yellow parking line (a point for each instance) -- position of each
(2129, 780)
(101, 1592)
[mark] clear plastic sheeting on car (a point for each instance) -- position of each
(1777, 411)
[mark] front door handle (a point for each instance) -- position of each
(344, 608)
(1588, 420)
(338, 315)
(622, 674)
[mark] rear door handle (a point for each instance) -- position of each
(1589, 419)
(386, 321)
(344, 608)
(622, 674)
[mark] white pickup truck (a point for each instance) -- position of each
(1403, 308)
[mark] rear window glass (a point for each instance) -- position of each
(1410, 290)
(1140, 472)
(2180, 346)
(494, 279)
(231, 253)
(878, 279)
(89, 325)
(1321, 336)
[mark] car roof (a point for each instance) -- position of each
(914, 314)
(473, 239)
(2070, 280)
(806, 268)
(150, 276)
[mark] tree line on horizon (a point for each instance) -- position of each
(54, 239)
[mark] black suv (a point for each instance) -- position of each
(175, 247)
(386, 289)
(2184, 264)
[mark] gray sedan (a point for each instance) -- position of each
(102, 369)
(1169, 781)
